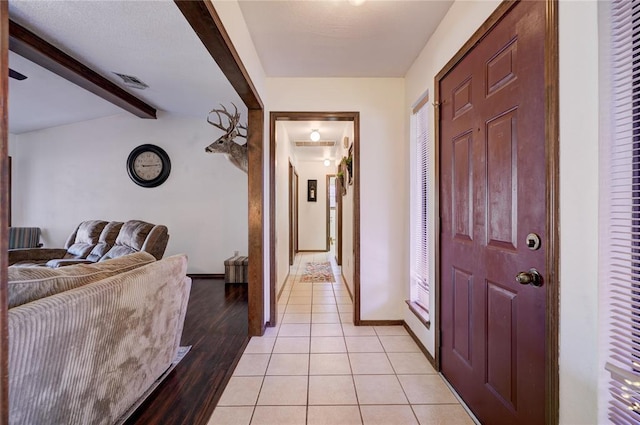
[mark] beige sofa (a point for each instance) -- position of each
(87, 341)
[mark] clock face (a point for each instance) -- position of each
(148, 165)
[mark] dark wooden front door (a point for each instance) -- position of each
(492, 188)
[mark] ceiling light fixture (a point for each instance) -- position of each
(314, 136)
(327, 162)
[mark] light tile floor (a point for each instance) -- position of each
(317, 368)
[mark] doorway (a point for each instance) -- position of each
(350, 147)
(497, 288)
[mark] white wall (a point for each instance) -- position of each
(578, 186)
(380, 102)
(579, 212)
(284, 154)
(312, 216)
(10, 140)
(606, 134)
(348, 258)
(68, 174)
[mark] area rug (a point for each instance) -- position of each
(317, 272)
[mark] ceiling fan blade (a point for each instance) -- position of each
(15, 74)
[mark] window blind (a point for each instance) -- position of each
(622, 232)
(420, 271)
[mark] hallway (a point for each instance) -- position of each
(317, 368)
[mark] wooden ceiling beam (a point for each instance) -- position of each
(30, 46)
(208, 26)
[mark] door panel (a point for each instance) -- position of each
(462, 206)
(462, 292)
(501, 191)
(501, 338)
(492, 194)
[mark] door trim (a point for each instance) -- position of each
(328, 210)
(315, 116)
(552, 401)
(552, 136)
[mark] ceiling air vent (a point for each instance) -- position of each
(319, 143)
(131, 81)
(16, 75)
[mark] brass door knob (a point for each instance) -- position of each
(532, 277)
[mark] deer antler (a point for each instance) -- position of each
(233, 119)
(242, 127)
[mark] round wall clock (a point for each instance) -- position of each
(148, 165)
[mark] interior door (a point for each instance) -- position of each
(492, 196)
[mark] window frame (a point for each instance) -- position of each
(419, 301)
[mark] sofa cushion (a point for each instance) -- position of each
(79, 250)
(89, 231)
(130, 239)
(133, 234)
(31, 283)
(84, 238)
(106, 241)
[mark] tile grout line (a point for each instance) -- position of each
(353, 378)
(306, 418)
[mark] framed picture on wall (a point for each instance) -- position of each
(312, 190)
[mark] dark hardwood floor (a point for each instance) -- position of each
(216, 326)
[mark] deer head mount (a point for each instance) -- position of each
(235, 153)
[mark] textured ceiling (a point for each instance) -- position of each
(147, 39)
(152, 41)
(45, 100)
(335, 38)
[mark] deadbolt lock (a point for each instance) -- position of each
(533, 241)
